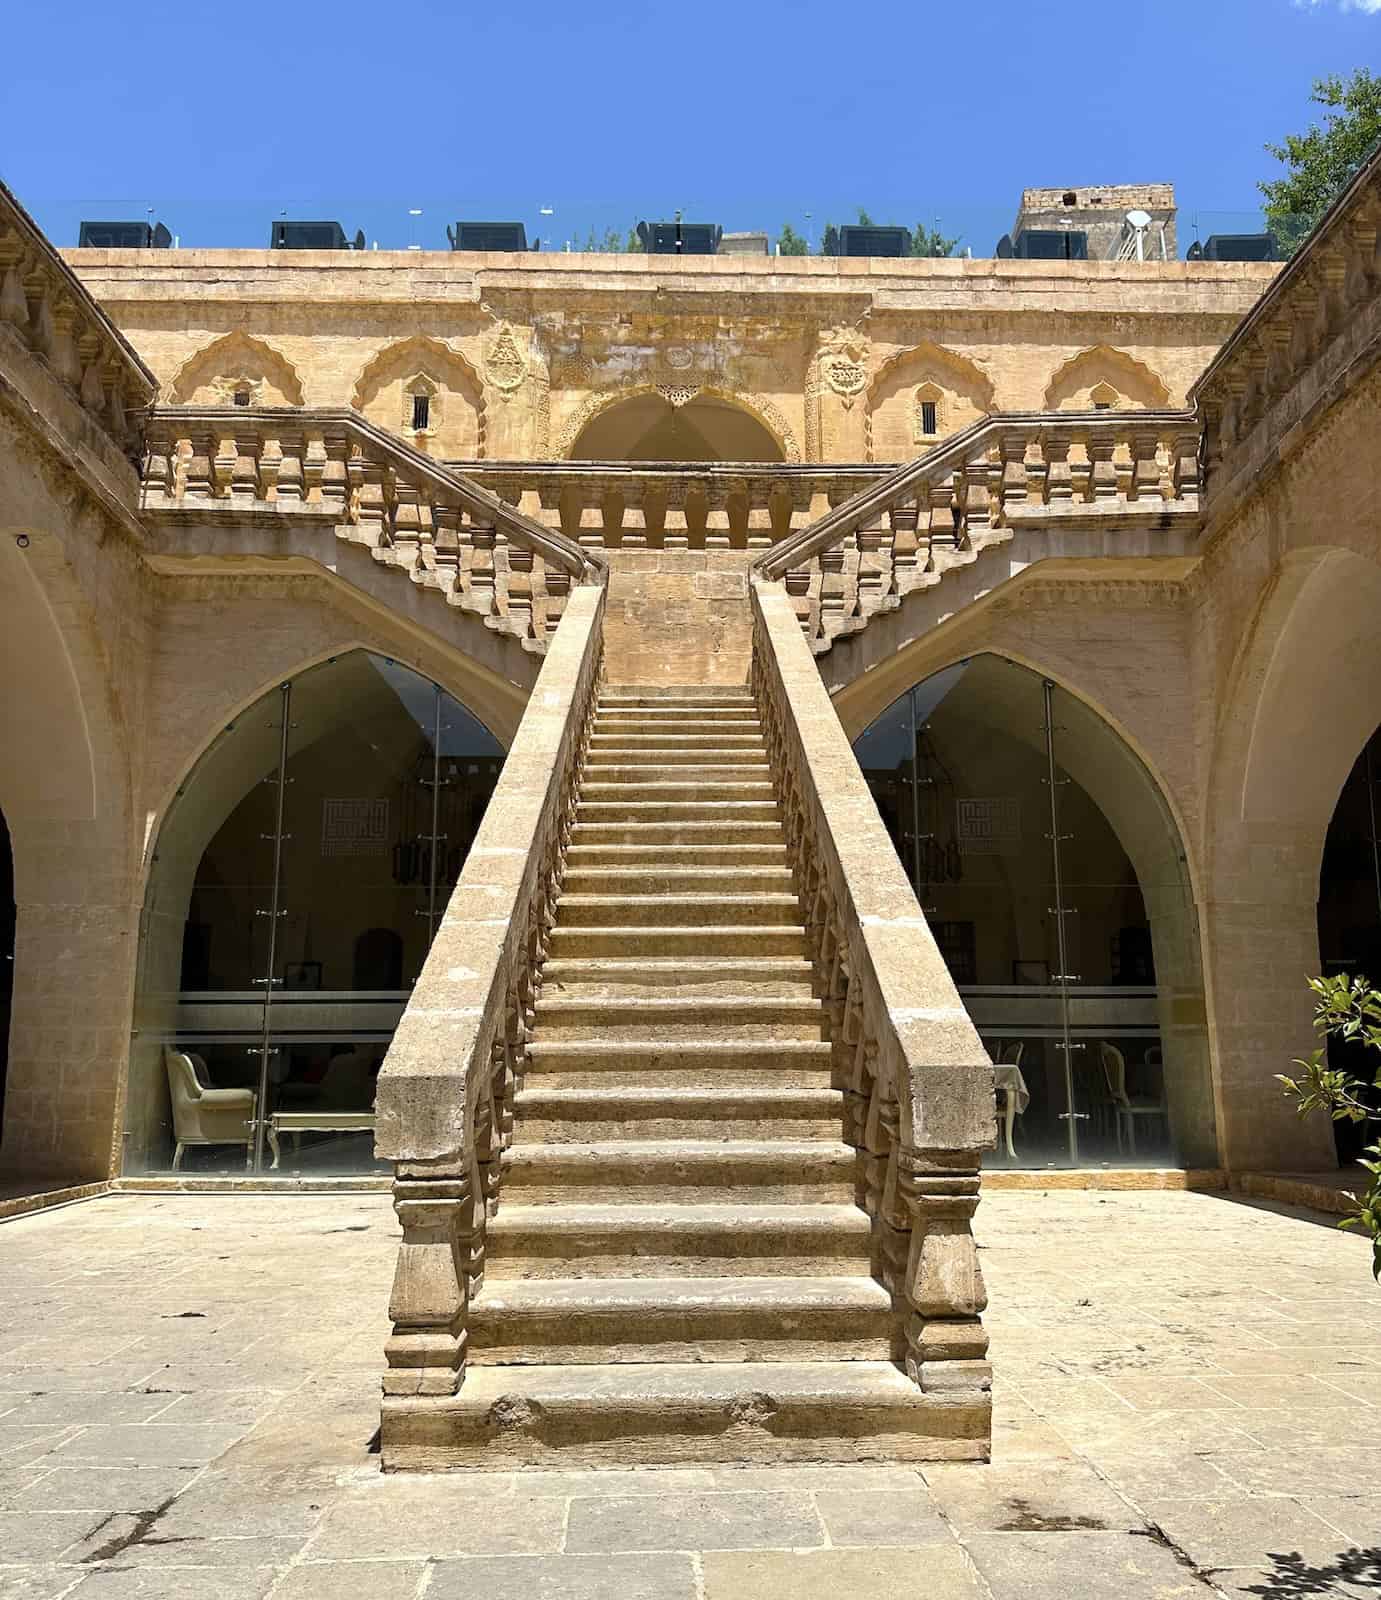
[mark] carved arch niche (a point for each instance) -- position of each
(1104, 379)
(919, 397)
(237, 370)
(421, 381)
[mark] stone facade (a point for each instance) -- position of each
(828, 359)
(1212, 632)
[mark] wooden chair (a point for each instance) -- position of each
(1127, 1108)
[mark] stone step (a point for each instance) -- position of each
(685, 832)
(559, 1116)
(710, 740)
(703, 810)
(679, 773)
(677, 691)
(683, 1412)
(676, 855)
(789, 1063)
(776, 976)
(676, 1239)
(682, 1171)
(676, 910)
(643, 789)
(696, 941)
(614, 1320)
(681, 1017)
(671, 768)
(677, 880)
(621, 758)
(653, 717)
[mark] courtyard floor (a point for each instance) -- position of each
(1188, 1402)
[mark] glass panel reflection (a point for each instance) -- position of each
(1050, 871)
(298, 882)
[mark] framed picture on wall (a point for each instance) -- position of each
(1035, 973)
(302, 975)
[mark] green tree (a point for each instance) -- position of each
(633, 245)
(931, 242)
(830, 240)
(1321, 162)
(790, 243)
(1348, 1009)
(610, 242)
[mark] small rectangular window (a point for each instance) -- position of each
(421, 408)
(242, 397)
(1102, 405)
(928, 418)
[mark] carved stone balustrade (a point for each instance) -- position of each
(1049, 472)
(1314, 333)
(236, 465)
(672, 505)
(445, 1099)
(48, 320)
(917, 1081)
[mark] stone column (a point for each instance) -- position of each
(76, 937)
(431, 1288)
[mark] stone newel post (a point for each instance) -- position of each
(426, 1351)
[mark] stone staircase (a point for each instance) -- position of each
(678, 1270)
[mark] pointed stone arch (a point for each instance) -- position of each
(1102, 368)
(758, 407)
(237, 364)
(456, 413)
(958, 388)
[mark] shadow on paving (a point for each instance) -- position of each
(1352, 1572)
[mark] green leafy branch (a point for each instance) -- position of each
(1348, 1009)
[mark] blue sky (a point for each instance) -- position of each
(224, 117)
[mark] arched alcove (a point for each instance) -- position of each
(237, 369)
(670, 424)
(333, 813)
(427, 392)
(1072, 935)
(898, 423)
(1105, 379)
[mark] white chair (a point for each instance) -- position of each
(203, 1114)
(1126, 1108)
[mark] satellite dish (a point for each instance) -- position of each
(1139, 219)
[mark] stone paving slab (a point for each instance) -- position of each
(1186, 1398)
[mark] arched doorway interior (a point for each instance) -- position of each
(1350, 915)
(655, 427)
(7, 925)
(298, 881)
(1050, 871)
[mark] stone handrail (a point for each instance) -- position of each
(444, 1111)
(673, 505)
(1120, 468)
(44, 304)
(918, 1083)
(1315, 331)
(407, 509)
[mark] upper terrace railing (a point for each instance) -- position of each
(407, 509)
(673, 505)
(44, 305)
(1112, 469)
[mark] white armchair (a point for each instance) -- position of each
(203, 1114)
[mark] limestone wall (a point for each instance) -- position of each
(832, 356)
